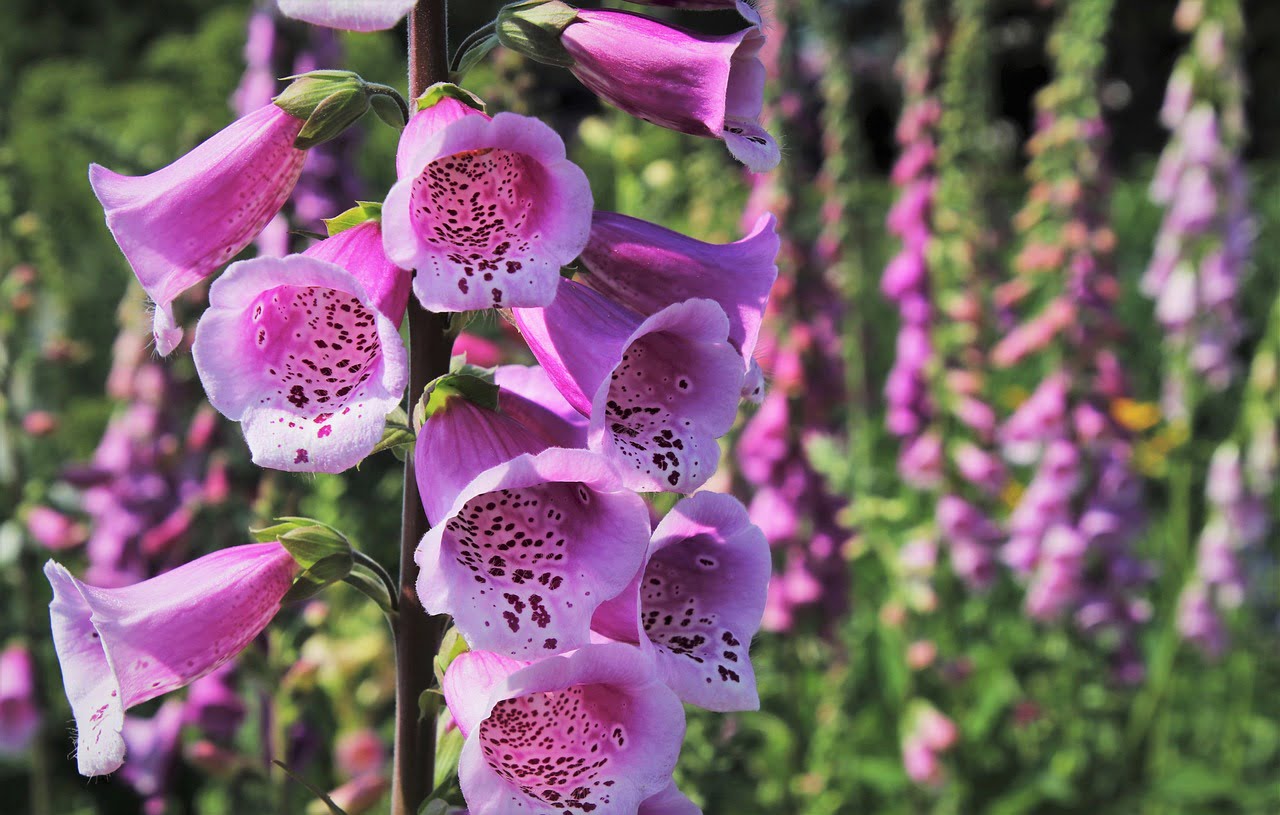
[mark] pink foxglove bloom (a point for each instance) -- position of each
(529, 546)
(297, 351)
(530, 397)
(744, 7)
(659, 390)
(646, 268)
(348, 15)
(54, 530)
(701, 84)
(486, 210)
(121, 647)
(593, 730)
(697, 603)
(180, 223)
(19, 716)
(152, 745)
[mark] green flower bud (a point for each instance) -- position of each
(533, 28)
(329, 102)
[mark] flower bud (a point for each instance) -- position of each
(533, 28)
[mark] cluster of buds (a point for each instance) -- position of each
(1204, 243)
(587, 623)
(1072, 533)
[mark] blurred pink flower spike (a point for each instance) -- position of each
(743, 7)
(646, 267)
(121, 647)
(659, 390)
(698, 602)
(348, 15)
(594, 728)
(296, 350)
(152, 753)
(19, 716)
(530, 548)
(700, 84)
(486, 210)
(181, 222)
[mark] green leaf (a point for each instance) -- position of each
(429, 703)
(333, 808)
(448, 749)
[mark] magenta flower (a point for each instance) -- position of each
(700, 84)
(359, 251)
(486, 210)
(744, 7)
(54, 530)
(593, 730)
(348, 15)
(296, 350)
(646, 268)
(120, 647)
(19, 716)
(659, 390)
(178, 224)
(697, 602)
(530, 397)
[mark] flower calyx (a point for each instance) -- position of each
(328, 102)
(533, 28)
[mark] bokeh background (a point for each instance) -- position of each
(991, 596)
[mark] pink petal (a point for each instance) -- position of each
(349, 15)
(294, 349)
(529, 396)
(359, 251)
(180, 223)
(468, 682)
(671, 801)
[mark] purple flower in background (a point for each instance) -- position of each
(19, 716)
(152, 746)
(120, 647)
(180, 223)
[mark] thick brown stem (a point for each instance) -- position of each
(417, 634)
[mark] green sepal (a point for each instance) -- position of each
(321, 574)
(448, 751)
(474, 384)
(533, 28)
(388, 109)
(332, 117)
(308, 540)
(473, 55)
(362, 212)
(367, 582)
(429, 702)
(440, 91)
(328, 102)
(452, 646)
(397, 434)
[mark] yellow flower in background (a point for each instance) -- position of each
(1134, 415)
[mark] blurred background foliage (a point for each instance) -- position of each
(1042, 726)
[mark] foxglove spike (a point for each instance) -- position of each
(659, 390)
(593, 729)
(120, 647)
(359, 251)
(530, 548)
(348, 15)
(295, 350)
(700, 84)
(646, 267)
(180, 223)
(487, 211)
(697, 602)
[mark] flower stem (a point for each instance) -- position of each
(417, 634)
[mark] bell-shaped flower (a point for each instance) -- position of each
(19, 715)
(646, 268)
(530, 397)
(121, 647)
(592, 731)
(659, 390)
(487, 211)
(700, 84)
(744, 7)
(298, 350)
(532, 538)
(180, 223)
(697, 603)
(348, 15)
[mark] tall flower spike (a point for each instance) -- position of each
(120, 647)
(296, 350)
(700, 84)
(486, 210)
(180, 223)
(528, 548)
(593, 730)
(646, 267)
(697, 602)
(659, 390)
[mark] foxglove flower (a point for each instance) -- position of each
(120, 647)
(180, 223)
(646, 268)
(593, 730)
(700, 84)
(19, 716)
(297, 351)
(348, 15)
(659, 390)
(744, 7)
(531, 540)
(486, 210)
(697, 602)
